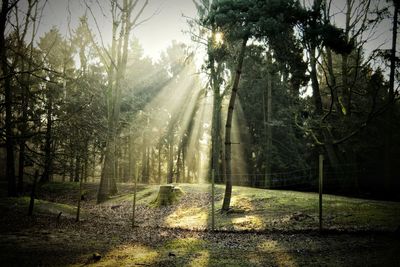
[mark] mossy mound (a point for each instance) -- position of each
(41, 206)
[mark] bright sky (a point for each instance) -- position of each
(166, 22)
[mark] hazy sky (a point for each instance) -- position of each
(166, 23)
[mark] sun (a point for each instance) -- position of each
(219, 38)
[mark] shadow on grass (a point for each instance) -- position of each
(42, 240)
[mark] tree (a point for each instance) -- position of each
(8, 97)
(340, 80)
(241, 20)
(123, 19)
(287, 150)
(57, 58)
(215, 66)
(391, 99)
(16, 76)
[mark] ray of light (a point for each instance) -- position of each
(240, 139)
(177, 112)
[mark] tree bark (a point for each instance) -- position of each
(48, 160)
(323, 131)
(216, 122)
(107, 173)
(77, 167)
(170, 162)
(228, 128)
(268, 129)
(116, 73)
(346, 90)
(332, 82)
(388, 173)
(10, 160)
(159, 162)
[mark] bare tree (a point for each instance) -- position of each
(125, 15)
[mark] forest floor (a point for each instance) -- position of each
(264, 228)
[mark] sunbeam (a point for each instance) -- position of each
(180, 116)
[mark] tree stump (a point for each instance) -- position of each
(167, 195)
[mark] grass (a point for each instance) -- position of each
(260, 209)
(253, 251)
(110, 234)
(252, 208)
(41, 206)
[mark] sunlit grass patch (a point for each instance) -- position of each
(144, 195)
(188, 218)
(242, 204)
(185, 244)
(202, 258)
(248, 222)
(198, 252)
(251, 208)
(128, 255)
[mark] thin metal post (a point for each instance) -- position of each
(321, 173)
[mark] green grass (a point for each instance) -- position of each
(252, 208)
(59, 187)
(21, 204)
(260, 209)
(257, 250)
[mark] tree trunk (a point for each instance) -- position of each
(314, 83)
(178, 166)
(21, 161)
(116, 164)
(170, 162)
(268, 130)
(388, 173)
(85, 172)
(216, 123)
(183, 165)
(116, 73)
(332, 82)
(107, 180)
(228, 128)
(71, 164)
(77, 167)
(48, 160)
(346, 90)
(144, 160)
(10, 161)
(148, 164)
(323, 131)
(159, 162)
(130, 159)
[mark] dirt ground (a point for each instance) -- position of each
(105, 237)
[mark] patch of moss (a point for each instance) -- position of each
(54, 187)
(125, 255)
(40, 206)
